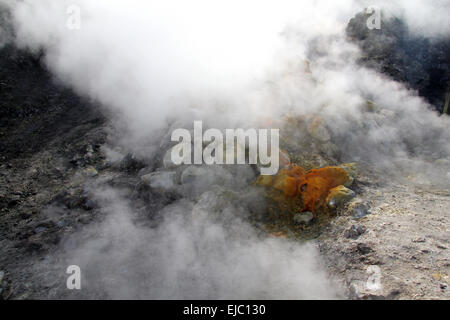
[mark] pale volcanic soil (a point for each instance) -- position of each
(406, 237)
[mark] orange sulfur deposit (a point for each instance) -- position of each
(311, 187)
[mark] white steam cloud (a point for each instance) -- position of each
(230, 63)
(190, 256)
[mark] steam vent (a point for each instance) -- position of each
(290, 150)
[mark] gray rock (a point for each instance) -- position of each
(89, 205)
(370, 287)
(61, 223)
(2, 276)
(351, 169)
(45, 224)
(358, 291)
(125, 181)
(217, 203)
(328, 149)
(403, 56)
(339, 196)
(167, 161)
(145, 171)
(160, 180)
(197, 179)
(40, 229)
(193, 174)
(303, 218)
(131, 163)
(355, 231)
(91, 172)
(359, 211)
(363, 248)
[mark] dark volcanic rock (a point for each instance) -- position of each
(423, 64)
(131, 163)
(43, 125)
(363, 248)
(35, 109)
(355, 231)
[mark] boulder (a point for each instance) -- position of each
(358, 209)
(328, 149)
(91, 172)
(359, 291)
(352, 170)
(203, 176)
(195, 174)
(131, 163)
(89, 205)
(339, 196)
(160, 180)
(217, 204)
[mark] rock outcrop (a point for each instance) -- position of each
(421, 63)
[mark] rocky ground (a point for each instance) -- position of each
(48, 133)
(402, 230)
(423, 64)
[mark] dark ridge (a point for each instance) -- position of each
(423, 64)
(34, 108)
